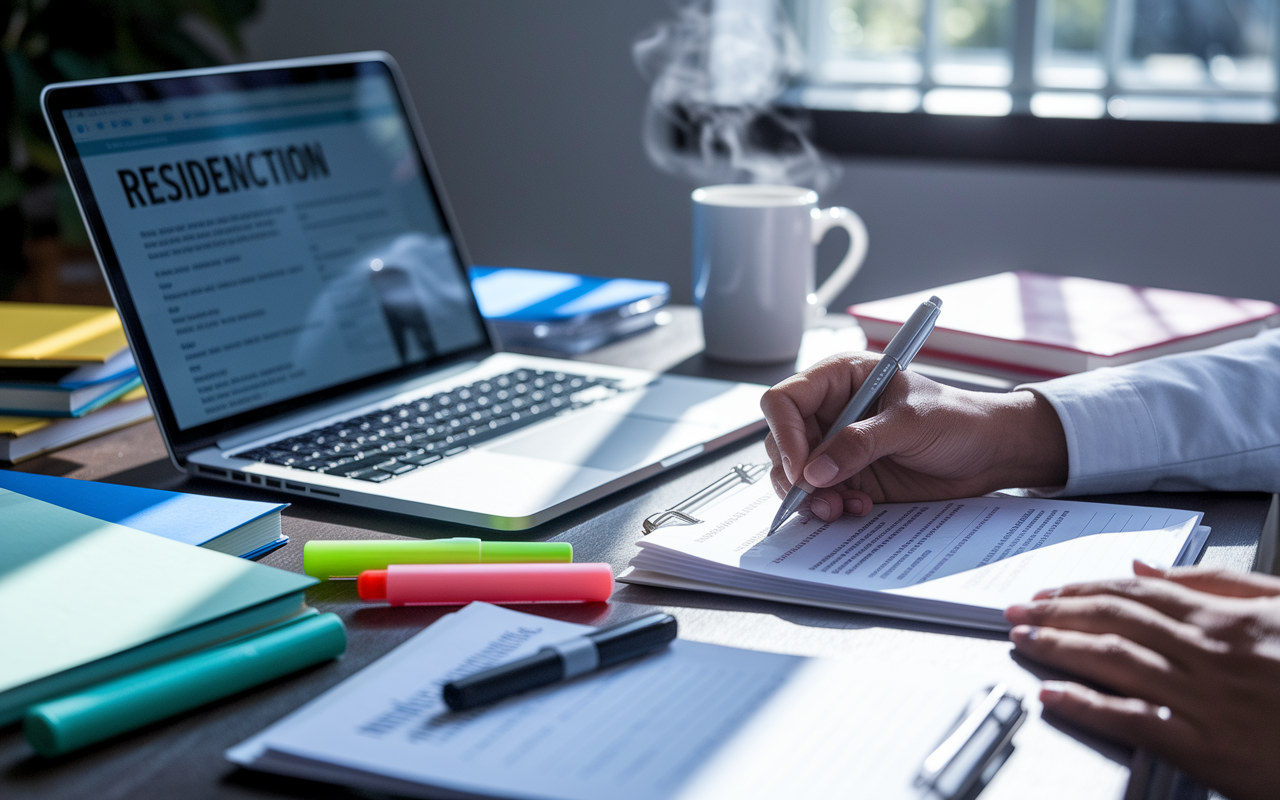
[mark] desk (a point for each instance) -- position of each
(183, 757)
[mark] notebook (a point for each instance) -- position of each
(562, 312)
(83, 600)
(23, 437)
(958, 562)
(1051, 325)
(66, 391)
(47, 335)
(693, 721)
(224, 525)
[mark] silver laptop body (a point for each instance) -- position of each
(292, 283)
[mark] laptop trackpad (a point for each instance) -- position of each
(604, 440)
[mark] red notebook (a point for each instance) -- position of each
(1050, 325)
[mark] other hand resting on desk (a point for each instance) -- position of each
(1194, 655)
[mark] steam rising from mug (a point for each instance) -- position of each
(716, 70)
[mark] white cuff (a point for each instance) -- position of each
(1112, 440)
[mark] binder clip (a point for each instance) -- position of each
(978, 745)
(682, 512)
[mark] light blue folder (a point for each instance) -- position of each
(235, 527)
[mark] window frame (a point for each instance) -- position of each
(1247, 147)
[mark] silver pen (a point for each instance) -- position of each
(897, 355)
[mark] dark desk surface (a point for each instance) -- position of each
(182, 757)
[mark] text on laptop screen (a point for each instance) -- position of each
(275, 241)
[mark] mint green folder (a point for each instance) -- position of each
(83, 601)
(121, 705)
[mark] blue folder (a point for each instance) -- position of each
(190, 518)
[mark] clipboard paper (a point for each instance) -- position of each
(959, 562)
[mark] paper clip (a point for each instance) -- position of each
(975, 749)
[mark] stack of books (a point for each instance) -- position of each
(1029, 326)
(112, 619)
(66, 374)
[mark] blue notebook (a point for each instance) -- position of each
(236, 527)
(529, 295)
(564, 313)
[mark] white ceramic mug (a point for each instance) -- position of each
(753, 267)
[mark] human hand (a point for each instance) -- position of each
(1194, 656)
(925, 441)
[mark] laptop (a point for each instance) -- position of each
(294, 288)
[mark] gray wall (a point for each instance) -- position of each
(533, 111)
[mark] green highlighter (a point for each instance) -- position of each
(337, 559)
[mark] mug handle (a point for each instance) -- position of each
(824, 219)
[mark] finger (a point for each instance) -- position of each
(858, 446)
(827, 504)
(782, 406)
(856, 503)
(780, 483)
(1110, 660)
(1215, 581)
(1124, 719)
(771, 449)
(1168, 598)
(1110, 614)
(793, 407)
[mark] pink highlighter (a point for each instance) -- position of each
(458, 584)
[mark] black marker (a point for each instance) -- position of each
(577, 656)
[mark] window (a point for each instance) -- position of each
(1167, 60)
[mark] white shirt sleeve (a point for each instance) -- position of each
(1208, 420)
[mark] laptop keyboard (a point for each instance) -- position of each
(395, 441)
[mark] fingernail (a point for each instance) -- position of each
(820, 507)
(1149, 565)
(1024, 633)
(1046, 594)
(822, 471)
(856, 507)
(1052, 692)
(786, 467)
(1016, 614)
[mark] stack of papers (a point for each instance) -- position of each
(960, 562)
(693, 721)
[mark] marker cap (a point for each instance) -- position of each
(457, 584)
(339, 559)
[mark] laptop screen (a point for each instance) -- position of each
(276, 240)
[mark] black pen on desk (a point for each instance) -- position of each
(568, 659)
(897, 355)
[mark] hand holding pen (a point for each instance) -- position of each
(924, 441)
(898, 354)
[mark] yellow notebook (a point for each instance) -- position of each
(46, 335)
